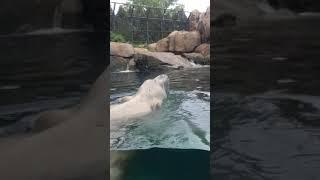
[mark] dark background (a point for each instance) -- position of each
(265, 89)
(40, 72)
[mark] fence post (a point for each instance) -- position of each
(162, 21)
(148, 26)
(132, 32)
(114, 17)
(173, 21)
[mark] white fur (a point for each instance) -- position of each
(69, 149)
(148, 98)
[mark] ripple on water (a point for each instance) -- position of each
(182, 122)
(272, 136)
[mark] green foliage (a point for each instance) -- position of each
(122, 12)
(154, 3)
(116, 37)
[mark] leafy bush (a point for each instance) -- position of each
(116, 37)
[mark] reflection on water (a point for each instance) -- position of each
(267, 102)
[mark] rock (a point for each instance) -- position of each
(144, 62)
(132, 63)
(184, 41)
(121, 49)
(118, 63)
(162, 45)
(179, 41)
(197, 58)
(152, 47)
(171, 38)
(194, 20)
(204, 49)
(155, 60)
(200, 22)
(140, 50)
(204, 26)
(187, 41)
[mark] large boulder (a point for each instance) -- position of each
(152, 47)
(146, 60)
(204, 49)
(162, 45)
(121, 49)
(204, 26)
(118, 63)
(179, 41)
(197, 58)
(194, 20)
(184, 41)
(171, 38)
(200, 22)
(140, 50)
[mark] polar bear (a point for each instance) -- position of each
(51, 118)
(71, 149)
(148, 98)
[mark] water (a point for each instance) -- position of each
(44, 72)
(172, 139)
(169, 164)
(266, 108)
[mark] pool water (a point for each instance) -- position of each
(171, 140)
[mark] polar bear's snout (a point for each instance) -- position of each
(163, 79)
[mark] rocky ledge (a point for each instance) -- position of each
(124, 56)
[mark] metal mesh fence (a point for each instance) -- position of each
(145, 24)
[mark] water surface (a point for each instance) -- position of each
(266, 110)
(173, 142)
(182, 122)
(42, 72)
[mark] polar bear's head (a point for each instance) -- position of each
(163, 81)
(154, 90)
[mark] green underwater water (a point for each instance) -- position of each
(167, 164)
